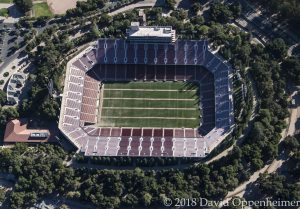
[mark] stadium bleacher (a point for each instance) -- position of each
(118, 60)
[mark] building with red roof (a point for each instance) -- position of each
(17, 131)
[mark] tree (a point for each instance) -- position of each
(64, 206)
(17, 200)
(179, 14)
(197, 20)
(2, 97)
(8, 114)
(95, 31)
(203, 30)
(290, 143)
(196, 7)
(49, 109)
(130, 200)
(236, 9)
(146, 199)
(170, 4)
(2, 194)
(290, 69)
(24, 5)
(277, 48)
(221, 13)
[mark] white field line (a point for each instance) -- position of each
(176, 90)
(155, 99)
(148, 108)
(168, 118)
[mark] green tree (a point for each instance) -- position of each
(8, 114)
(49, 109)
(290, 69)
(146, 199)
(170, 4)
(64, 206)
(196, 7)
(277, 48)
(24, 5)
(2, 194)
(95, 31)
(290, 143)
(221, 12)
(2, 97)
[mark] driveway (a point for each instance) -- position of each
(146, 3)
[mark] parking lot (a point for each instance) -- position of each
(10, 39)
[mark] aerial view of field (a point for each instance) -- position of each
(150, 104)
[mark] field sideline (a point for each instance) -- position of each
(150, 104)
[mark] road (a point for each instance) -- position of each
(291, 49)
(141, 4)
(264, 27)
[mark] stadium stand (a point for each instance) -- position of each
(119, 60)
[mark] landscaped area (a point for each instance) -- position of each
(41, 9)
(6, 1)
(4, 12)
(150, 104)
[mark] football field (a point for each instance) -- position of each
(149, 104)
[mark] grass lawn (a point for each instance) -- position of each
(6, 1)
(4, 12)
(41, 9)
(151, 104)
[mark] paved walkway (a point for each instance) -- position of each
(146, 3)
(5, 5)
(290, 50)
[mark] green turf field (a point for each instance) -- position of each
(150, 104)
(41, 9)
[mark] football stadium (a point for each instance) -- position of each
(149, 95)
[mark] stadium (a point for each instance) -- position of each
(147, 96)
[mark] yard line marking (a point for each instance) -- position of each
(156, 99)
(149, 108)
(175, 90)
(167, 118)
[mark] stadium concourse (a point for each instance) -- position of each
(119, 60)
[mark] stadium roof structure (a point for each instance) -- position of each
(80, 103)
(150, 33)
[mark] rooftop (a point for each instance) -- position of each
(17, 131)
(150, 31)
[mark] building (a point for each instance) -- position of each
(18, 131)
(150, 34)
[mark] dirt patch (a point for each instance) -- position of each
(60, 7)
